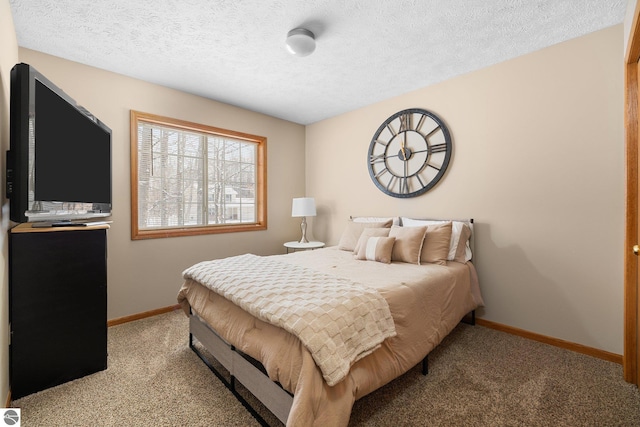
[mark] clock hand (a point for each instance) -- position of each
(404, 140)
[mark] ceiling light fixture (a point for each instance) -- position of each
(301, 42)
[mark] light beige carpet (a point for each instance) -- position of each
(478, 377)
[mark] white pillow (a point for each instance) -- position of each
(456, 230)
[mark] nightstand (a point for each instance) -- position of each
(297, 246)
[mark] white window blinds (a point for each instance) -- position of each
(188, 178)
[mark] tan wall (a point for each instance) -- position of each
(8, 58)
(538, 163)
(144, 275)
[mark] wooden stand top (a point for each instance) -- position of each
(28, 227)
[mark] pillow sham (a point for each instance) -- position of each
(435, 248)
(463, 252)
(408, 243)
(457, 245)
(370, 232)
(352, 232)
(377, 248)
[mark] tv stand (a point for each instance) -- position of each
(57, 305)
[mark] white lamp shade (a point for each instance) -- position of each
(303, 206)
(301, 42)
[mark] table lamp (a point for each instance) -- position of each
(303, 207)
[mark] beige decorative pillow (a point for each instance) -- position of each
(376, 249)
(458, 244)
(408, 243)
(435, 248)
(370, 232)
(352, 232)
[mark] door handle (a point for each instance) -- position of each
(636, 249)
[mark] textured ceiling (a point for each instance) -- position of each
(367, 51)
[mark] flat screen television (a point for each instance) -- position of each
(59, 162)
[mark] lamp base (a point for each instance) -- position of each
(303, 227)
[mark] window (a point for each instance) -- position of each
(189, 179)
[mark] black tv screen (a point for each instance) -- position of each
(67, 146)
(59, 164)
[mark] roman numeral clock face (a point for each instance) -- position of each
(409, 153)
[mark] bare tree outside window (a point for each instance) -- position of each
(194, 179)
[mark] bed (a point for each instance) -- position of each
(415, 296)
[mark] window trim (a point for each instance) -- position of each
(261, 179)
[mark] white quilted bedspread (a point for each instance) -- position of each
(339, 321)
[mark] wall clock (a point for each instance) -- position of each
(409, 153)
